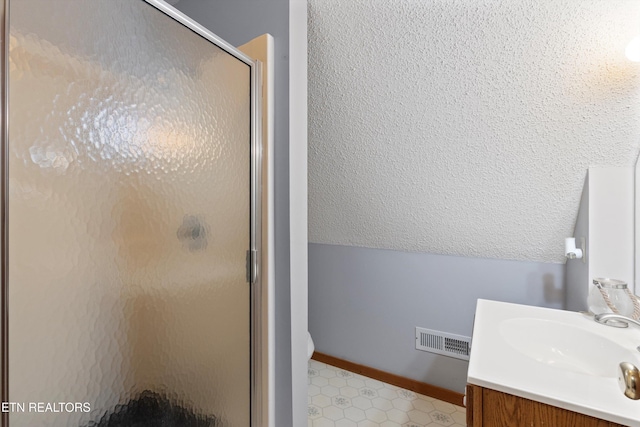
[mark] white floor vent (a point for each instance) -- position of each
(442, 343)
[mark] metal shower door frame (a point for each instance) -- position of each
(257, 368)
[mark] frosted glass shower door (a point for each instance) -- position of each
(130, 218)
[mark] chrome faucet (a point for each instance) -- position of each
(628, 373)
(615, 320)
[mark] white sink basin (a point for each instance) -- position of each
(557, 357)
(564, 346)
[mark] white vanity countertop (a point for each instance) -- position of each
(495, 362)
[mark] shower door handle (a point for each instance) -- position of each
(252, 266)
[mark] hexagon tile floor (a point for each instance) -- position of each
(339, 398)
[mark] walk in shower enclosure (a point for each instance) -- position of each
(130, 218)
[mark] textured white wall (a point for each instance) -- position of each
(465, 127)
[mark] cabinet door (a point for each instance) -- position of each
(490, 408)
(474, 405)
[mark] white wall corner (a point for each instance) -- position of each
(606, 219)
(576, 271)
(611, 223)
(298, 205)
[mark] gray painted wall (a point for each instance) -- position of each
(365, 303)
(237, 22)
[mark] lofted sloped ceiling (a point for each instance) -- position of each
(465, 127)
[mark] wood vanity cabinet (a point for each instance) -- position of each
(490, 408)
